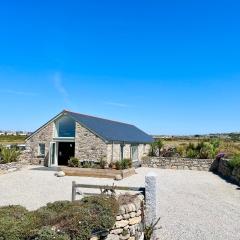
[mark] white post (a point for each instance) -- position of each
(151, 199)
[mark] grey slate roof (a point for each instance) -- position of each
(111, 130)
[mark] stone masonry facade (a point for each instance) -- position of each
(44, 136)
(88, 146)
(114, 151)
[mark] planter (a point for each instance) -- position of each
(99, 173)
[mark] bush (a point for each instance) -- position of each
(207, 150)
(62, 220)
(88, 164)
(181, 150)
(73, 162)
(16, 223)
(191, 153)
(234, 162)
(93, 213)
(203, 150)
(102, 163)
(47, 233)
(153, 149)
(8, 155)
(123, 164)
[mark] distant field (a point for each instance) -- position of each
(12, 139)
(176, 142)
(227, 146)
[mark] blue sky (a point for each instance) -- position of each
(170, 67)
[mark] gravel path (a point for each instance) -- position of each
(192, 205)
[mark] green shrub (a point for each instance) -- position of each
(87, 164)
(234, 162)
(8, 155)
(153, 149)
(124, 164)
(47, 233)
(102, 163)
(54, 212)
(191, 153)
(16, 223)
(62, 220)
(118, 165)
(95, 212)
(207, 150)
(181, 150)
(203, 150)
(73, 162)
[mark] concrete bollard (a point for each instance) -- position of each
(151, 199)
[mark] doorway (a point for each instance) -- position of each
(66, 150)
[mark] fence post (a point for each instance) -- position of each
(151, 199)
(73, 191)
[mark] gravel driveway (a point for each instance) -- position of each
(193, 205)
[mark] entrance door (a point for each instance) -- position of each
(65, 152)
(52, 154)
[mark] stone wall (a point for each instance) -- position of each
(10, 167)
(177, 163)
(128, 224)
(225, 171)
(88, 146)
(31, 154)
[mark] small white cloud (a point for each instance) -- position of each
(115, 104)
(14, 92)
(57, 80)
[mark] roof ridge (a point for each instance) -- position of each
(87, 115)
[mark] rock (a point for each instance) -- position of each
(133, 214)
(126, 216)
(60, 174)
(121, 224)
(139, 212)
(132, 230)
(126, 227)
(132, 238)
(118, 177)
(94, 238)
(125, 237)
(12, 169)
(112, 237)
(116, 231)
(122, 210)
(119, 217)
(136, 220)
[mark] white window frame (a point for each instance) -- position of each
(39, 150)
(137, 149)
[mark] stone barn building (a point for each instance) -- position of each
(87, 138)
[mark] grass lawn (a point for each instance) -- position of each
(12, 139)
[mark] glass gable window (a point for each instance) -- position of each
(65, 127)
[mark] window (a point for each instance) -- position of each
(65, 127)
(134, 152)
(121, 151)
(41, 149)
